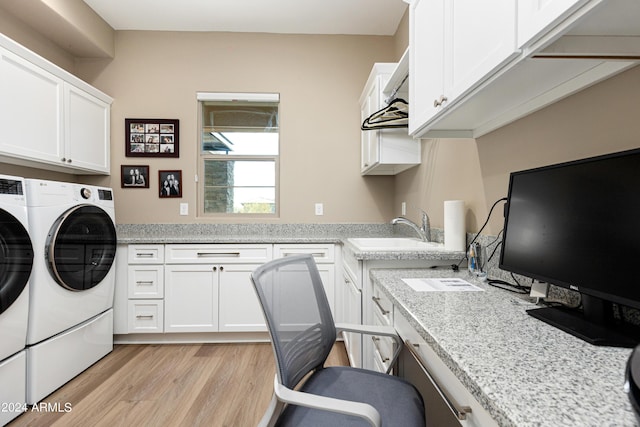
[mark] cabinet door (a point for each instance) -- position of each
(87, 130)
(239, 310)
(479, 37)
(535, 17)
(369, 139)
(191, 298)
(426, 54)
(352, 313)
(30, 110)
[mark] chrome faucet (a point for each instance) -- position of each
(423, 231)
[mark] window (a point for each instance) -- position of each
(239, 146)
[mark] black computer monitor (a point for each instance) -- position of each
(577, 225)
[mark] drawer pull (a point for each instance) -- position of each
(144, 282)
(218, 254)
(144, 316)
(460, 411)
(145, 255)
(314, 254)
(382, 309)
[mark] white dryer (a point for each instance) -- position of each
(16, 260)
(72, 227)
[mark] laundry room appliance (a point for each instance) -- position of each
(16, 260)
(73, 232)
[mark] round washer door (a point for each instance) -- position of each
(16, 259)
(81, 247)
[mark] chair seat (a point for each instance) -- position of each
(397, 401)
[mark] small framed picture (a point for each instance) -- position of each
(170, 183)
(152, 137)
(134, 176)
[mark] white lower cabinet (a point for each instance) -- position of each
(145, 316)
(145, 289)
(208, 287)
(191, 298)
(239, 309)
(201, 288)
(323, 255)
(383, 347)
(352, 313)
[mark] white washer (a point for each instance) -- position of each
(70, 327)
(16, 260)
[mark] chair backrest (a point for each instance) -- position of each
(297, 313)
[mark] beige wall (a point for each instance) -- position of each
(319, 78)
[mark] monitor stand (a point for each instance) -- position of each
(595, 325)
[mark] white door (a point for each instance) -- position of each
(479, 37)
(352, 299)
(239, 307)
(87, 130)
(31, 105)
(191, 298)
(426, 55)
(369, 138)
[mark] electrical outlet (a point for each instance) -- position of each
(184, 208)
(319, 209)
(404, 208)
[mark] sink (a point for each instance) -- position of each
(393, 244)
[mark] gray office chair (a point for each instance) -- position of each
(303, 332)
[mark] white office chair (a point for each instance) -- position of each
(302, 333)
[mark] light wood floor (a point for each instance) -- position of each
(168, 385)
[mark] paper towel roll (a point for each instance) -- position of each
(455, 234)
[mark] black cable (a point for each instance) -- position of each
(456, 267)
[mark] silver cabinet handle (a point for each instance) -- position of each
(217, 254)
(382, 309)
(460, 411)
(144, 282)
(144, 316)
(314, 254)
(144, 255)
(440, 101)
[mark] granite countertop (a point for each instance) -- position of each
(523, 371)
(244, 233)
(274, 233)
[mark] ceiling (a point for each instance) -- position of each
(362, 17)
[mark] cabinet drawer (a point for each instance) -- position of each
(215, 254)
(146, 316)
(322, 253)
(146, 254)
(352, 266)
(145, 281)
(382, 308)
(434, 371)
(383, 348)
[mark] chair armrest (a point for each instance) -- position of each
(347, 407)
(386, 331)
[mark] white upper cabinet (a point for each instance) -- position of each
(384, 151)
(426, 61)
(454, 45)
(30, 110)
(476, 66)
(479, 38)
(49, 118)
(87, 140)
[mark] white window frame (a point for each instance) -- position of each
(234, 96)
